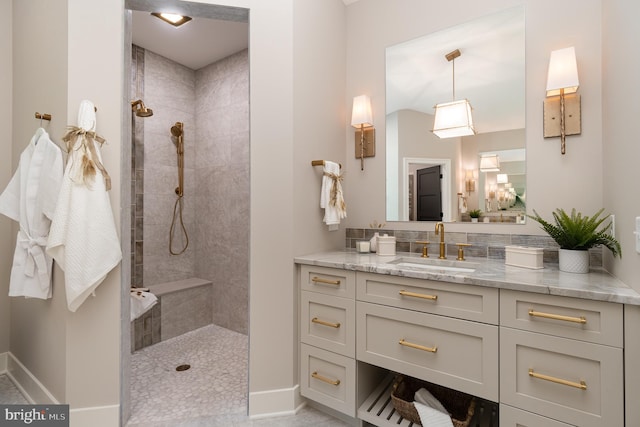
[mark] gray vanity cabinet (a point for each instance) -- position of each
(549, 361)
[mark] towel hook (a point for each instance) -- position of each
(44, 116)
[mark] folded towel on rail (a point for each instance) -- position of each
(331, 196)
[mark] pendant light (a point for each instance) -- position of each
(453, 119)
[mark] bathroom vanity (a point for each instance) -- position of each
(543, 347)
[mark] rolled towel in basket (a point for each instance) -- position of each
(431, 411)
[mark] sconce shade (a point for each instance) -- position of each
(453, 119)
(361, 114)
(563, 72)
(490, 163)
(502, 178)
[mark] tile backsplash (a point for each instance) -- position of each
(483, 245)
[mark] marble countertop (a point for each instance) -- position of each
(598, 284)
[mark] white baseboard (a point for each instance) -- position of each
(275, 403)
(32, 389)
(99, 416)
(3, 363)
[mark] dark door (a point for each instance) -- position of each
(429, 197)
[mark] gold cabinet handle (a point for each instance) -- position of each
(322, 322)
(581, 385)
(417, 346)
(325, 379)
(416, 295)
(580, 319)
(325, 281)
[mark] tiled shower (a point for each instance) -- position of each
(213, 104)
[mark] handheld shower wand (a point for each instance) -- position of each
(177, 131)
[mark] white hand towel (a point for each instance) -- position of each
(334, 209)
(141, 302)
(425, 397)
(430, 417)
(462, 204)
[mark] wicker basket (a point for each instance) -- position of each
(460, 405)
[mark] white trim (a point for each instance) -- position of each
(445, 169)
(98, 416)
(3, 362)
(32, 389)
(275, 403)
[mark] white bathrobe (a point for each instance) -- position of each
(83, 239)
(30, 198)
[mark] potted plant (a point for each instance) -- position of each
(475, 214)
(576, 234)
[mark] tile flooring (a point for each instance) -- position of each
(9, 394)
(212, 393)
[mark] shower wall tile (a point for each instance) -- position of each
(185, 311)
(213, 104)
(222, 171)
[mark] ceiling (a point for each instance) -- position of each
(196, 44)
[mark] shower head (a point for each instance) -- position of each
(140, 109)
(176, 130)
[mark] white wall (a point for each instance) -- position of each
(93, 332)
(74, 355)
(6, 170)
(38, 336)
(281, 154)
(553, 180)
(621, 150)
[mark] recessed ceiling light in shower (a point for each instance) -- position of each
(172, 18)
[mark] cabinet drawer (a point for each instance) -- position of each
(513, 417)
(454, 353)
(328, 322)
(449, 299)
(328, 378)
(586, 320)
(572, 381)
(330, 281)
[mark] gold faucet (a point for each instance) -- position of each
(440, 229)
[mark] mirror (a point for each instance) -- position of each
(490, 73)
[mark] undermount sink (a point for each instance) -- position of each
(436, 265)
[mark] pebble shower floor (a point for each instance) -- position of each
(211, 393)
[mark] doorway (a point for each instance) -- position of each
(429, 194)
(209, 97)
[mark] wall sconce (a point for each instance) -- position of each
(453, 119)
(362, 120)
(469, 182)
(562, 105)
(490, 163)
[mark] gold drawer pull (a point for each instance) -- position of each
(322, 322)
(581, 385)
(418, 346)
(326, 281)
(580, 319)
(325, 379)
(415, 295)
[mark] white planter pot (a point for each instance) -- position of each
(474, 219)
(573, 261)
